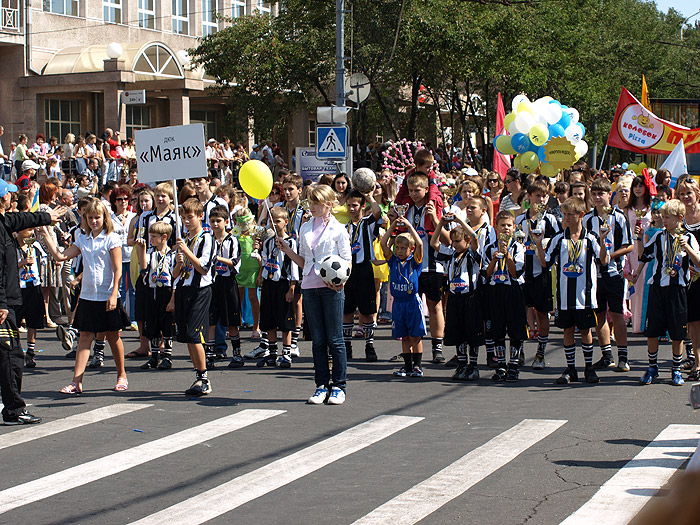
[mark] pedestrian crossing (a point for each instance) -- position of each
(617, 501)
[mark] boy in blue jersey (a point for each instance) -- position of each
(407, 313)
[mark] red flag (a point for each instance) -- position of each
(501, 163)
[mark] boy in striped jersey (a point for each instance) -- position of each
(538, 282)
(464, 325)
(362, 232)
(503, 265)
(576, 249)
(613, 228)
(672, 250)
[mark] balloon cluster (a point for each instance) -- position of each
(531, 125)
(398, 156)
(636, 168)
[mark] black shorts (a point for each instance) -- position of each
(192, 313)
(140, 299)
(693, 299)
(359, 290)
(538, 292)
(611, 293)
(508, 312)
(430, 284)
(92, 316)
(275, 312)
(669, 308)
(32, 308)
(225, 303)
(159, 322)
(463, 320)
(582, 319)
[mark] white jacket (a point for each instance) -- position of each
(334, 241)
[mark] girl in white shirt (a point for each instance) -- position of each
(99, 308)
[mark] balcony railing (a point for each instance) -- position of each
(10, 16)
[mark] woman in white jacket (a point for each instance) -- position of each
(320, 237)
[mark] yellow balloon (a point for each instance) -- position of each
(539, 134)
(529, 161)
(508, 120)
(256, 179)
(503, 145)
(527, 107)
(548, 170)
(642, 166)
(633, 167)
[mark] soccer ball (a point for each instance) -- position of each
(364, 180)
(334, 270)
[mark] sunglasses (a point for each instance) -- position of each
(122, 199)
(275, 193)
(492, 181)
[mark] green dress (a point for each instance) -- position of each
(250, 267)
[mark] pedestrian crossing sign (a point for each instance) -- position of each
(331, 142)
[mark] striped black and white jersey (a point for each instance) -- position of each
(462, 270)
(203, 247)
(212, 203)
(577, 274)
(694, 230)
(486, 235)
(228, 248)
(671, 263)
(430, 263)
(147, 219)
(159, 273)
(618, 237)
(277, 265)
(549, 226)
(362, 237)
(295, 215)
(500, 274)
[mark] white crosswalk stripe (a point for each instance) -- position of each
(240, 490)
(624, 495)
(25, 435)
(77, 476)
(428, 496)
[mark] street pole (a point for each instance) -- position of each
(346, 166)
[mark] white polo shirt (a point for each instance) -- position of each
(98, 275)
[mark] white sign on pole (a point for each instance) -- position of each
(134, 97)
(174, 152)
(309, 167)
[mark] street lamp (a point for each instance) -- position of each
(686, 21)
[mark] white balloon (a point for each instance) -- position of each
(573, 134)
(541, 107)
(517, 100)
(554, 114)
(573, 113)
(581, 148)
(513, 129)
(524, 121)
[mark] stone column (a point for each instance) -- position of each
(179, 107)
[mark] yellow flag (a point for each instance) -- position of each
(645, 94)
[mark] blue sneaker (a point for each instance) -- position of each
(337, 396)
(677, 378)
(319, 396)
(649, 376)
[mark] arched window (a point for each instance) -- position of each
(159, 61)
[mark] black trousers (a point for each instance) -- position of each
(11, 362)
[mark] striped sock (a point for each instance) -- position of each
(31, 349)
(676, 367)
(437, 344)
(155, 346)
(287, 350)
(99, 348)
(369, 332)
(235, 344)
(202, 374)
(473, 354)
(588, 354)
(264, 341)
(167, 350)
(209, 348)
(295, 335)
(501, 353)
(606, 350)
(542, 341)
(514, 353)
(462, 353)
(347, 331)
(622, 353)
(570, 353)
(273, 349)
(689, 350)
(652, 358)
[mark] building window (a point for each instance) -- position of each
(137, 117)
(206, 117)
(112, 11)
(62, 7)
(147, 14)
(61, 117)
(181, 17)
(263, 7)
(312, 132)
(159, 61)
(209, 23)
(238, 8)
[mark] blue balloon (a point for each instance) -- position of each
(625, 165)
(555, 102)
(541, 154)
(583, 130)
(520, 142)
(565, 120)
(557, 130)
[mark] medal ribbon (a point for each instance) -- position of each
(457, 267)
(355, 234)
(502, 261)
(292, 217)
(190, 244)
(160, 265)
(574, 248)
(418, 213)
(672, 244)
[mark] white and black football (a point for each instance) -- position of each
(334, 270)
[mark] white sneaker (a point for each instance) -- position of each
(257, 353)
(337, 396)
(295, 351)
(319, 396)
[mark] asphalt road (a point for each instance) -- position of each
(254, 452)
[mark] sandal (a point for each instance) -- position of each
(694, 375)
(122, 385)
(71, 389)
(256, 334)
(134, 354)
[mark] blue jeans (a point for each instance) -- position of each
(323, 309)
(127, 284)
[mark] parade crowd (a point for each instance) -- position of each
(491, 261)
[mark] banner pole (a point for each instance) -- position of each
(605, 150)
(177, 211)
